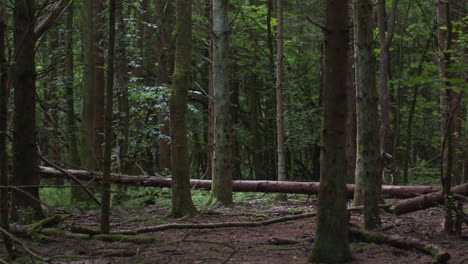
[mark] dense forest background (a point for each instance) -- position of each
(101, 85)
(144, 66)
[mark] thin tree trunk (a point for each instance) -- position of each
(222, 157)
(24, 137)
(385, 38)
(99, 84)
(367, 167)
(332, 245)
(107, 161)
(409, 129)
(279, 100)
(4, 92)
(182, 204)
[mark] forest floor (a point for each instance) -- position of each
(243, 244)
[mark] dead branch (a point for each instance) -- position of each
(71, 176)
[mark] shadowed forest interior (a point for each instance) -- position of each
(233, 131)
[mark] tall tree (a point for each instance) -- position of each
(88, 105)
(87, 155)
(332, 244)
(121, 83)
(24, 85)
(279, 99)
(221, 191)
(182, 204)
(386, 32)
(164, 49)
(4, 91)
(99, 84)
(73, 155)
(367, 166)
(107, 160)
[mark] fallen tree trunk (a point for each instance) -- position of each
(400, 192)
(440, 255)
(425, 201)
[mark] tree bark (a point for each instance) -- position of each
(279, 98)
(4, 92)
(99, 84)
(182, 204)
(107, 159)
(164, 47)
(391, 191)
(88, 95)
(221, 192)
(87, 118)
(73, 155)
(385, 38)
(367, 167)
(121, 87)
(24, 137)
(332, 243)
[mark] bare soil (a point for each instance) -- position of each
(243, 245)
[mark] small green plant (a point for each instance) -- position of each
(25, 216)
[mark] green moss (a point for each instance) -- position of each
(131, 239)
(259, 218)
(279, 246)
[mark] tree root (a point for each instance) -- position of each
(87, 230)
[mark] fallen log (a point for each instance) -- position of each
(425, 201)
(400, 192)
(440, 255)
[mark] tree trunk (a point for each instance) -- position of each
(391, 191)
(385, 38)
(447, 107)
(88, 95)
(87, 118)
(73, 155)
(24, 137)
(164, 47)
(367, 167)
(182, 204)
(99, 84)
(107, 161)
(121, 83)
(4, 92)
(222, 158)
(351, 128)
(279, 99)
(332, 244)
(210, 132)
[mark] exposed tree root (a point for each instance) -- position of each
(163, 227)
